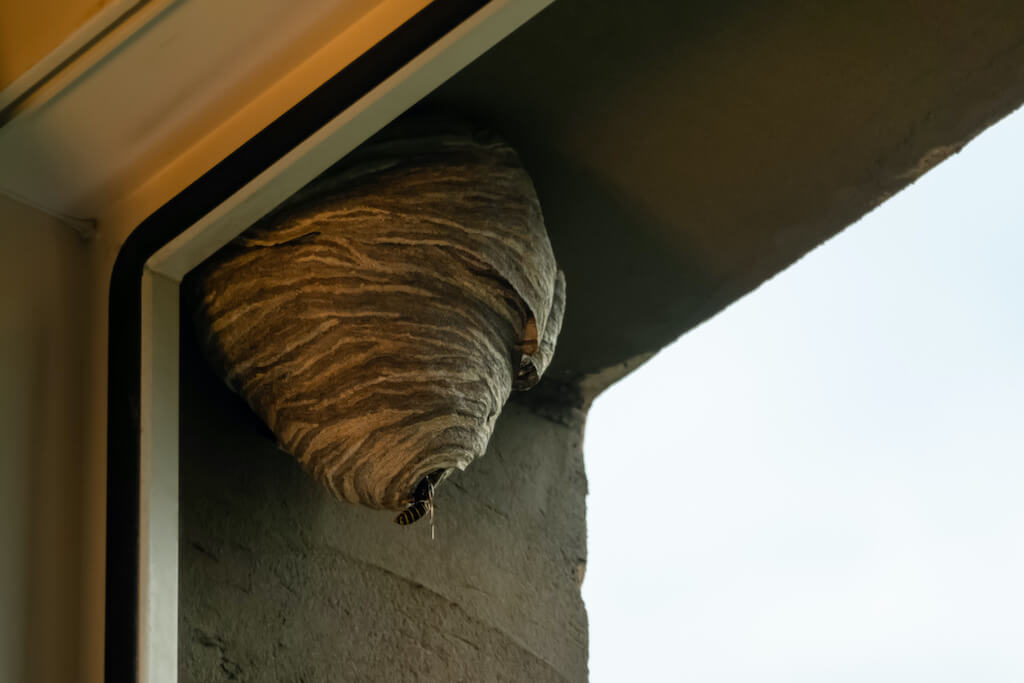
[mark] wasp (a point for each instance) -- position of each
(526, 373)
(422, 502)
(413, 513)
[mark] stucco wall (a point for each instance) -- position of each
(41, 357)
(280, 582)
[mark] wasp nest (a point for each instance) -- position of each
(378, 319)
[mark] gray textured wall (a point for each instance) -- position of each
(280, 582)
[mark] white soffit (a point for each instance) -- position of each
(155, 89)
(38, 39)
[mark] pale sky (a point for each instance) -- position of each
(825, 482)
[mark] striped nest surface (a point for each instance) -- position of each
(378, 320)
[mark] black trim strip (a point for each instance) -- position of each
(125, 343)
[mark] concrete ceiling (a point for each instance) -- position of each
(687, 151)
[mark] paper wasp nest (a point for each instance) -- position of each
(379, 318)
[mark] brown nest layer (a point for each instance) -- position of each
(378, 319)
